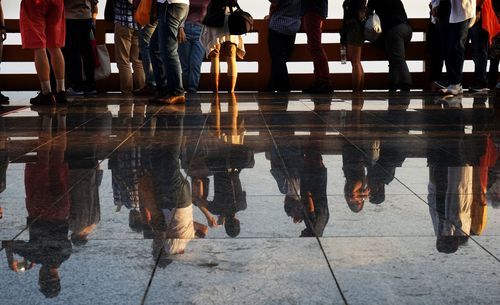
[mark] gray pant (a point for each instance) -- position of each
(395, 40)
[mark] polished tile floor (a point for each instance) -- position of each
(251, 199)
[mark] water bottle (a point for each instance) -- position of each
(343, 54)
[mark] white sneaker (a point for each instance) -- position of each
(453, 90)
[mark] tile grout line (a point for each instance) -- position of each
(337, 284)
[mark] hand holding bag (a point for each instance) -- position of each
(239, 22)
(373, 28)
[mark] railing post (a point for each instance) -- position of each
(264, 58)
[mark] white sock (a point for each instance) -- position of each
(46, 87)
(60, 85)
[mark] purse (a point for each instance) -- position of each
(239, 21)
(373, 28)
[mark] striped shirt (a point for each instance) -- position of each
(286, 17)
(124, 14)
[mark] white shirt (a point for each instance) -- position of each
(461, 10)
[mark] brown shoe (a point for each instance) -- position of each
(173, 99)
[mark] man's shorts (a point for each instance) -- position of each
(42, 24)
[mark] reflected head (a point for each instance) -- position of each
(232, 226)
(49, 282)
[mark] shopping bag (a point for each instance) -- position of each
(103, 70)
(373, 28)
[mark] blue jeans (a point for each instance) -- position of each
(173, 15)
(395, 40)
(144, 41)
(155, 57)
(191, 54)
(480, 45)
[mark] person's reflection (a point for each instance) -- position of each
(48, 206)
(164, 191)
(4, 159)
(391, 151)
(226, 157)
(358, 153)
(297, 166)
(485, 157)
(457, 163)
(124, 164)
(89, 127)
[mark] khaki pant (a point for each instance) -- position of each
(126, 53)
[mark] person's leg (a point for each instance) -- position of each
(455, 53)
(87, 55)
(479, 41)
(215, 66)
(144, 41)
(313, 23)
(232, 69)
(394, 41)
(3, 99)
(184, 51)
(197, 55)
(154, 53)
(354, 53)
(123, 43)
(175, 15)
(55, 32)
(278, 49)
(72, 56)
(138, 76)
(42, 67)
(493, 73)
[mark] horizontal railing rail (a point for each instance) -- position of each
(255, 53)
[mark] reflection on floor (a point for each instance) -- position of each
(251, 199)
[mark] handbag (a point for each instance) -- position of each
(142, 14)
(216, 14)
(239, 21)
(373, 28)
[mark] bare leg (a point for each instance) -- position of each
(358, 75)
(215, 69)
(232, 72)
(42, 69)
(57, 62)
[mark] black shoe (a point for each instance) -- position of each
(4, 100)
(89, 90)
(43, 99)
(148, 90)
(61, 97)
(321, 88)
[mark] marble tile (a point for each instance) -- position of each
(409, 270)
(249, 271)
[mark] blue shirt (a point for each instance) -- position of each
(286, 18)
